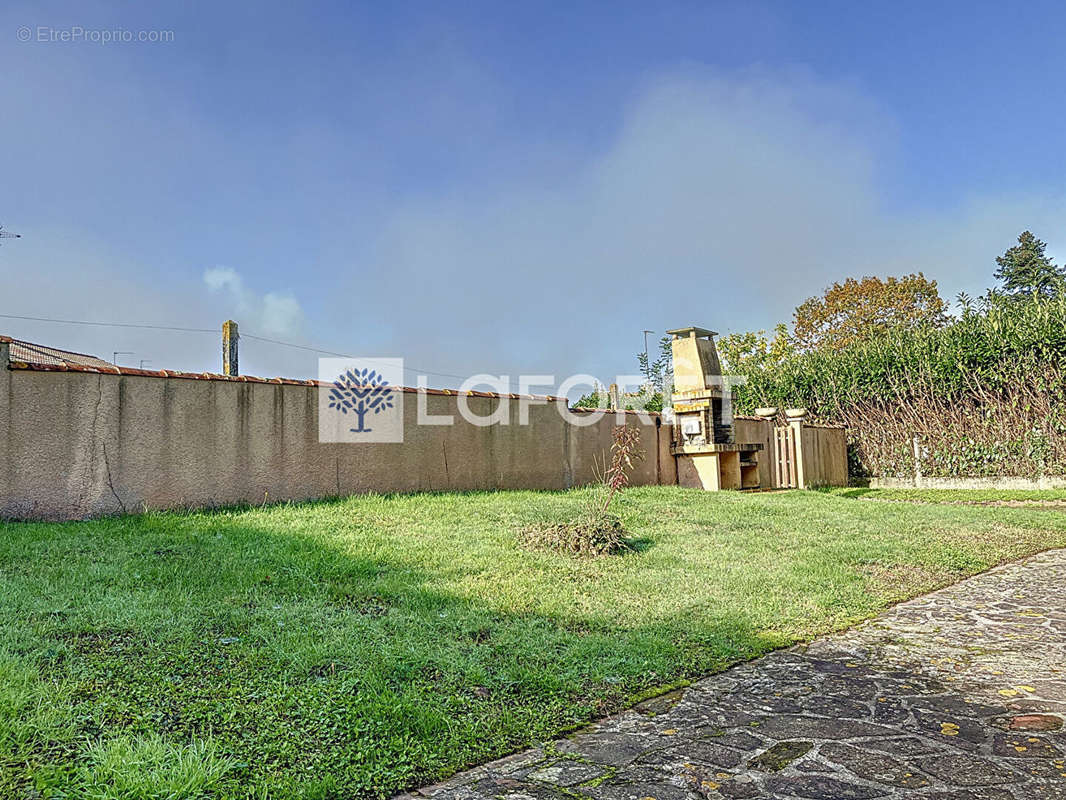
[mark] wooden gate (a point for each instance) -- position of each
(785, 471)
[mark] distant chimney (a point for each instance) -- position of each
(230, 337)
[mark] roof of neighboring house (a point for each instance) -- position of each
(42, 354)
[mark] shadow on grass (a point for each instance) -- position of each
(854, 492)
(637, 545)
(229, 509)
(317, 671)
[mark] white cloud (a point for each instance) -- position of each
(718, 198)
(218, 278)
(722, 200)
(272, 313)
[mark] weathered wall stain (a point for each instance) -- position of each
(80, 444)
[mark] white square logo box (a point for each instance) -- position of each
(360, 400)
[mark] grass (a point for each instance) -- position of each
(958, 495)
(368, 645)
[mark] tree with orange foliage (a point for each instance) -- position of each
(859, 310)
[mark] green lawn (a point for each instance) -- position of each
(364, 646)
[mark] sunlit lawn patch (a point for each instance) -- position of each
(363, 646)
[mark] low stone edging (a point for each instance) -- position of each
(1051, 482)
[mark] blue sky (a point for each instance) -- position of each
(484, 187)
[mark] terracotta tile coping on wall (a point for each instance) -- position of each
(211, 376)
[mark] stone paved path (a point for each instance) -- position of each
(958, 694)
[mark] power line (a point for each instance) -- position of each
(345, 355)
(213, 331)
(111, 324)
(290, 344)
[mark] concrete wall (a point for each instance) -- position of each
(77, 444)
(80, 444)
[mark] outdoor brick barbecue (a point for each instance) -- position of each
(707, 454)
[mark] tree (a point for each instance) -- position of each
(744, 353)
(360, 391)
(596, 399)
(1025, 271)
(860, 310)
(660, 372)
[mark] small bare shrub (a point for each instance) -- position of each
(588, 535)
(625, 453)
(597, 531)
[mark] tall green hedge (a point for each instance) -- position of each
(990, 383)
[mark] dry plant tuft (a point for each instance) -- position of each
(587, 535)
(597, 531)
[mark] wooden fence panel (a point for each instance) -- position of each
(785, 472)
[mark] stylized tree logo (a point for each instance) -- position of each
(360, 391)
